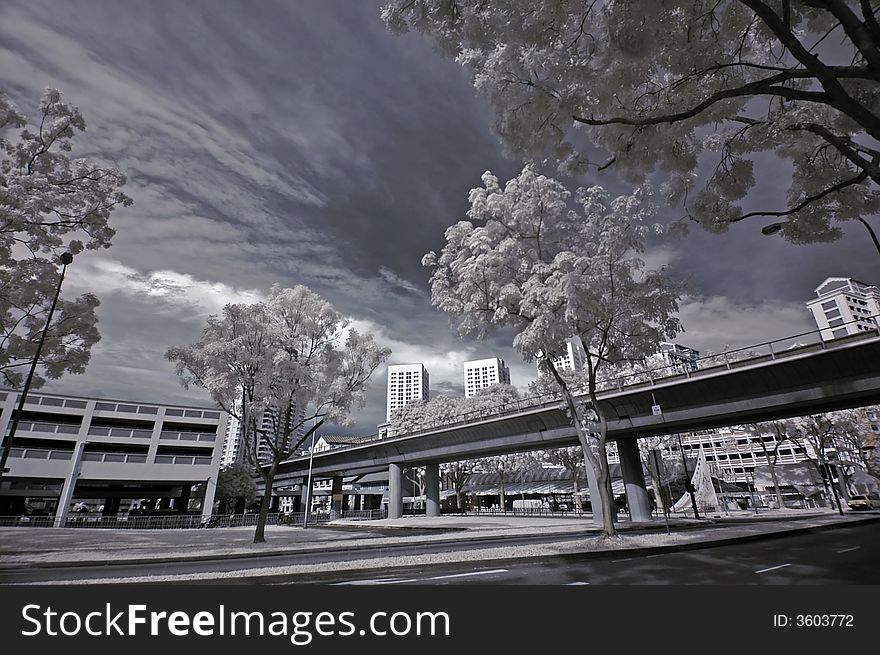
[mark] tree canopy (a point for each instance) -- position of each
(50, 203)
(281, 367)
(235, 485)
(695, 90)
(528, 260)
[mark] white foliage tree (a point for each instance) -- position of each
(697, 90)
(507, 467)
(525, 259)
(294, 357)
(457, 475)
(829, 440)
(446, 410)
(50, 203)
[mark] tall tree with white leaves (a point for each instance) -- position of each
(527, 260)
(50, 203)
(697, 90)
(293, 358)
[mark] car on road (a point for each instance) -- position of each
(869, 501)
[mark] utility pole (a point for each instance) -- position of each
(66, 258)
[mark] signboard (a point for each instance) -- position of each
(655, 410)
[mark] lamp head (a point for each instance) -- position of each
(773, 228)
(66, 258)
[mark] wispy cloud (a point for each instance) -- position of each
(167, 291)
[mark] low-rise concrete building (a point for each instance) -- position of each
(110, 455)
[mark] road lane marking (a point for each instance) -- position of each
(574, 584)
(846, 550)
(436, 577)
(773, 568)
(625, 559)
(657, 555)
(371, 581)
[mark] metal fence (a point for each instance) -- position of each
(182, 521)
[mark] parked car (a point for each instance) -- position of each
(869, 501)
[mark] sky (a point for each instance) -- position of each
(303, 143)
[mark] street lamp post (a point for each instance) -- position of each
(665, 508)
(308, 508)
(66, 258)
(828, 470)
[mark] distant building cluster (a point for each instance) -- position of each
(233, 442)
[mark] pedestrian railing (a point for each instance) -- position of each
(182, 521)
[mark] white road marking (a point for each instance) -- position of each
(436, 577)
(373, 581)
(574, 584)
(657, 555)
(773, 568)
(846, 550)
(625, 559)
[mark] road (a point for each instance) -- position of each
(842, 555)
(834, 557)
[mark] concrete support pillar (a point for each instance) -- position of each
(395, 491)
(69, 486)
(183, 501)
(336, 497)
(208, 499)
(634, 480)
(111, 507)
(432, 490)
(305, 498)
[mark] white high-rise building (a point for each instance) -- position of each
(233, 446)
(574, 359)
(406, 382)
(845, 306)
(482, 373)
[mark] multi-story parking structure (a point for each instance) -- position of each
(113, 455)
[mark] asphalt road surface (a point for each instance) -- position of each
(842, 556)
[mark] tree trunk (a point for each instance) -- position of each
(503, 505)
(599, 462)
(609, 511)
(779, 501)
(260, 531)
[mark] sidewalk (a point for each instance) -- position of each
(50, 547)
